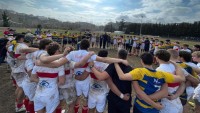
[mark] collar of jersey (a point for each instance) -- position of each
(82, 50)
(152, 70)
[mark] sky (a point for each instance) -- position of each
(100, 12)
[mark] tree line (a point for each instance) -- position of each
(157, 29)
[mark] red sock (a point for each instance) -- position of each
(31, 108)
(58, 110)
(76, 107)
(85, 109)
(14, 82)
(26, 101)
(19, 105)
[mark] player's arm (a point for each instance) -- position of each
(111, 60)
(140, 94)
(47, 59)
(28, 50)
(34, 78)
(84, 60)
(61, 80)
(83, 76)
(100, 75)
(162, 93)
(53, 64)
(121, 74)
(192, 79)
(114, 89)
(179, 92)
(22, 57)
(197, 70)
(180, 77)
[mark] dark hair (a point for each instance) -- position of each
(186, 45)
(163, 55)
(19, 36)
(197, 46)
(103, 53)
(35, 45)
(52, 48)
(85, 44)
(122, 53)
(186, 56)
(147, 58)
(43, 43)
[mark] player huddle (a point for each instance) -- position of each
(49, 78)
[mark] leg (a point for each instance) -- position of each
(71, 108)
(76, 107)
(41, 111)
(92, 110)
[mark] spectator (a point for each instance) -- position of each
(105, 40)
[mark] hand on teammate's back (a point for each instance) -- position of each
(91, 63)
(38, 63)
(126, 97)
(158, 106)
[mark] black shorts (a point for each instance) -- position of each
(118, 106)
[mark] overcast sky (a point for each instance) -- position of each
(102, 11)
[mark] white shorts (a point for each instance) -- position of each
(69, 94)
(49, 102)
(98, 101)
(19, 77)
(82, 88)
(196, 95)
(189, 92)
(171, 106)
(29, 88)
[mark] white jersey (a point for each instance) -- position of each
(191, 64)
(69, 82)
(198, 65)
(77, 56)
(96, 86)
(176, 48)
(37, 54)
(93, 39)
(170, 106)
(170, 68)
(10, 59)
(48, 78)
(188, 50)
(143, 44)
(49, 36)
(20, 64)
(29, 63)
(115, 40)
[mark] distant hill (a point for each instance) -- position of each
(31, 21)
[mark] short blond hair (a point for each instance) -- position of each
(196, 53)
(174, 53)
